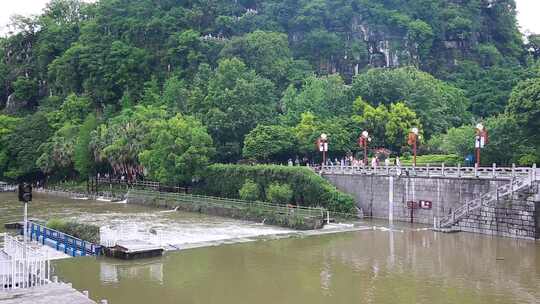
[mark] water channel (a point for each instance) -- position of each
(402, 264)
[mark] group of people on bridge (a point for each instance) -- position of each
(350, 161)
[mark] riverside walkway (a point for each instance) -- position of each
(57, 293)
(25, 277)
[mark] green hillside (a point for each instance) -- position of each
(163, 88)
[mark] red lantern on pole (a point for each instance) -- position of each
(481, 140)
(322, 146)
(412, 141)
(363, 141)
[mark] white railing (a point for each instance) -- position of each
(21, 266)
(4, 187)
(493, 172)
(110, 237)
(487, 199)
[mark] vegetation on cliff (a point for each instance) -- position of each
(164, 88)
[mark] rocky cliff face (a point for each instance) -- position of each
(13, 105)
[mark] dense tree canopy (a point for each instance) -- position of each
(161, 88)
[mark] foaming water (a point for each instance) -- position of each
(119, 221)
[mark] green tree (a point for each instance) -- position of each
(25, 89)
(83, 155)
(458, 141)
(56, 154)
(306, 133)
(7, 126)
(267, 53)
(237, 100)
(323, 96)
(22, 146)
(250, 191)
(179, 151)
(401, 120)
(123, 138)
(265, 143)
(524, 104)
(534, 45)
(175, 95)
(508, 143)
(371, 119)
(438, 105)
(279, 193)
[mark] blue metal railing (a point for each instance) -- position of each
(61, 241)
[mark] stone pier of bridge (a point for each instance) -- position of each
(435, 192)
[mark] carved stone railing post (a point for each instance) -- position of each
(494, 172)
(442, 170)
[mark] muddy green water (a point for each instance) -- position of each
(404, 265)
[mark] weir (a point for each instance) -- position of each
(498, 201)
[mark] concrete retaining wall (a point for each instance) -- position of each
(386, 197)
(373, 193)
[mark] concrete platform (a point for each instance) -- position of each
(134, 249)
(57, 293)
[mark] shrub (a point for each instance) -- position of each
(279, 193)
(249, 191)
(433, 159)
(86, 232)
(308, 188)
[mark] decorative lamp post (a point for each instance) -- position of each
(322, 145)
(481, 140)
(413, 139)
(363, 141)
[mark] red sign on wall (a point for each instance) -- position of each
(426, 204)
(420, 204)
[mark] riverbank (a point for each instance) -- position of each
(270, 214)
(293, 218)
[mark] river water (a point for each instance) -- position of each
(402, 264)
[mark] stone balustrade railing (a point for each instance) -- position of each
(494, 172)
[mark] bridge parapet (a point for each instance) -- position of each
(494, 172)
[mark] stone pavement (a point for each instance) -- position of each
(57, 293)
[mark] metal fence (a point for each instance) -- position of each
(21, 266)
(145, 184)
(492, 172)
(230, 203)
(4, 187)
(61, 241)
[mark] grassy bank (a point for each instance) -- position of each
(86, 232)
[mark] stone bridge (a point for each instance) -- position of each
(492, 200)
